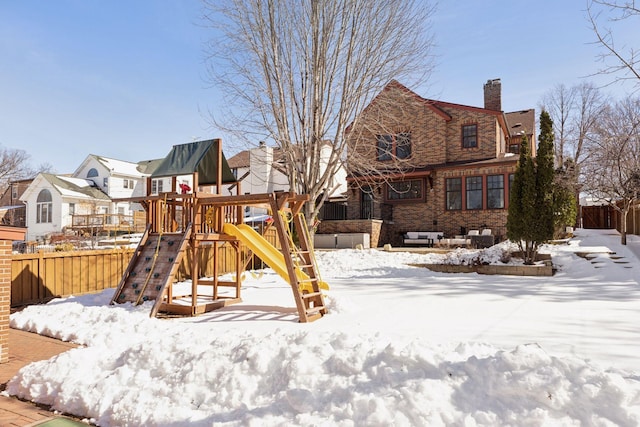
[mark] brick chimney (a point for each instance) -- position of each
(493, 95)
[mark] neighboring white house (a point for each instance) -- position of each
(52, 200)
(261, 170)
(258, 170)
(117, 179)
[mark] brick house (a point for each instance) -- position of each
(12, 209)
(438, 166)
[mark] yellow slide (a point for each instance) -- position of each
(267, 252)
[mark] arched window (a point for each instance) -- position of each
(44, 207)
(92, 173)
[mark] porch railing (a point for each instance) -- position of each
(135, 223)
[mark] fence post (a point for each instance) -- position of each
(40, 294)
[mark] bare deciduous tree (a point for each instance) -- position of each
(299, 72)
(574, 111)
(15, 164)
(620, 61)
(612, 170)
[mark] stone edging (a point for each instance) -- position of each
(507, 270)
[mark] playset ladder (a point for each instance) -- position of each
(152, 268)
(310, 303)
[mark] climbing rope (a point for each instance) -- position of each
(286, 220)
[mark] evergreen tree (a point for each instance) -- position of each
(537, 203)
(545, 172)
(565, 207)
(522, 204)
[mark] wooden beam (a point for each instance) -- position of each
(187, 310)
(219, 164)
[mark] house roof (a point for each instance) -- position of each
(119, 166)
(200, 157)
(521, 121)
(114, 166)
(439, 108)
(436, 105)
(505, 158)
(243, 158)
(240, 160)
(75, 187)
(147, 167)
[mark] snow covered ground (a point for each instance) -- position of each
(401, 346)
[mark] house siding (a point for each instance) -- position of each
(428, 130)
(37, 230)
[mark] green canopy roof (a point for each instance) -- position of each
(201, 157)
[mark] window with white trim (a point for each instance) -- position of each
(44, 207)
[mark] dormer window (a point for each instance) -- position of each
(469, 136)
(93, 172)
(394, 146)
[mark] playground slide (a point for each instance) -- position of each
(267, 252)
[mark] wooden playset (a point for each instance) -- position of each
(181, 223)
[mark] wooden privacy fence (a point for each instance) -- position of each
(633, 219)
(37, 278)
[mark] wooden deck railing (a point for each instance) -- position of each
(135, 223)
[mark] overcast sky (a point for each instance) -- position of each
(125, 79)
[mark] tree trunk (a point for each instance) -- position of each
(310, 217)
(623, 225)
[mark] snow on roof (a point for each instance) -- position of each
(120, 167)
(75, 187)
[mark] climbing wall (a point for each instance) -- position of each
(152, 269)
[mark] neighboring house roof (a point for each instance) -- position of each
(201, 157)
(75, 187)
(119, 166)
(147, 167)
(114, 166)
(240, 160)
